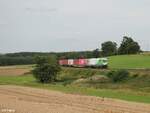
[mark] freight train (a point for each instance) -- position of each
(92, 62)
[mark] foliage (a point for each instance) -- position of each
(109, 48)
(6, 60)
(46, 69)
(128, 46)
(28, 57)
(134, 89)
(96, 53)
(75, 54)
(119, 75)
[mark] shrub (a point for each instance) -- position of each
(119, 75)
(135, 76)
(45, 71)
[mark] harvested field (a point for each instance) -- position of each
(30, 100)
(14, 70)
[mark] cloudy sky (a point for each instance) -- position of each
(71, 25)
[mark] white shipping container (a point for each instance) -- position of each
(92, 61)
(70, 62)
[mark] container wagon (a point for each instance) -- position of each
(92, 62)
(63, 62)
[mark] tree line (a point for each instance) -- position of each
(109, 48)
(127, 46)
(5, 60)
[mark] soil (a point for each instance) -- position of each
(12, 71)
(17, 99)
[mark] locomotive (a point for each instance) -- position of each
(91, 62)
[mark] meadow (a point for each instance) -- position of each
(87, 81)
(123, 94)
(129, 61)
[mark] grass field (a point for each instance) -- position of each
(129, 62)
(135, 89)
(119, 94)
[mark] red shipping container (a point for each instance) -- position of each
(63, 62)
(76, 62)
(82, 62)
(60, 62)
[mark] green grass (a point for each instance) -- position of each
(135, 89)
(109, 93)
(117, 62)
(19, 66)
(129, 61)
(16, 80)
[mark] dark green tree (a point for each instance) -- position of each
(109, 48)
(128, 46)
(46, 69)
(96, 53)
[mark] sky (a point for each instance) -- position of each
(71, 25)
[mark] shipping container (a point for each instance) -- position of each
(92, 62)
(60, 62)
(70, 62)
(63, 62)
(82, 62)
(76, 62)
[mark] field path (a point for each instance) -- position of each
(16, 99)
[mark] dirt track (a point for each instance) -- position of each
(15, 99)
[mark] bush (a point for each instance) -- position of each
(119, 75)
(45, 71)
